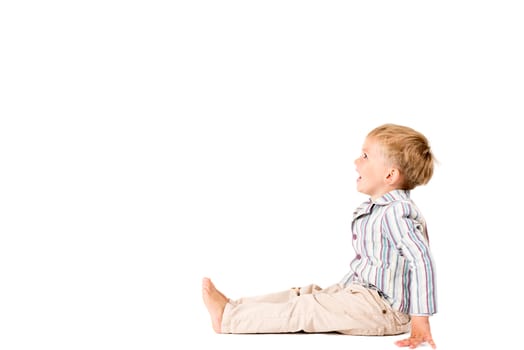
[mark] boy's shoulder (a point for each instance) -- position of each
(400, 209)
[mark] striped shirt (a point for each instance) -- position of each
(392, 253)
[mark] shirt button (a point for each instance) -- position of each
(359, 256)
(354, 236)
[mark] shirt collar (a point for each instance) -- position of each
(395, 195)
(391, 196)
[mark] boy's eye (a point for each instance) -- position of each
(364, 155)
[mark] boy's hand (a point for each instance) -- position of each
(420, 333)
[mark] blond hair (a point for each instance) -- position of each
(408, 150)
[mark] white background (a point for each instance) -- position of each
(147, 144)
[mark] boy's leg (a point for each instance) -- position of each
(351, 310)
(216, 301)
(271, 313)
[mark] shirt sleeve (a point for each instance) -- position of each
(405, 227)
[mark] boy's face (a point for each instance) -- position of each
(372, 170)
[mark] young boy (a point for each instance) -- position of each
(390, 286)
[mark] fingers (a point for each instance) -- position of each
(402, 343)
(412, 343)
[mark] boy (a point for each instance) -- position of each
(390, 288)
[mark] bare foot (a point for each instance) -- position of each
(215, 303)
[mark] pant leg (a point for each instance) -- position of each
(352, 310)
(258, 314)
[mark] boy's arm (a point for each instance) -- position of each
(409, 236)
(420, 333)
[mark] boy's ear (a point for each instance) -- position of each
(393, 176)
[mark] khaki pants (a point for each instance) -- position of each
(353, 310)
